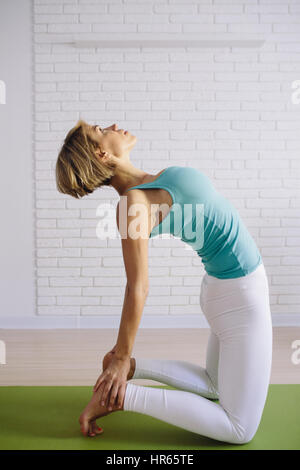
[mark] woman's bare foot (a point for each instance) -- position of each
(107, 358)
(94, 429)
(92, 426)
(93, 411)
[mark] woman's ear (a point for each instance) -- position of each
(105, 156)
(100, 154)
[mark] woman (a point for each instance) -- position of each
(234, 293)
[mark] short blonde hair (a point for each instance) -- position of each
(79, 171)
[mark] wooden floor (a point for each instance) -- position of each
(74, 357)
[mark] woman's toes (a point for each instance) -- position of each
(84, 424)
(89, 428)
(96, 429)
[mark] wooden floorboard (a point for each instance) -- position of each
(74, 357)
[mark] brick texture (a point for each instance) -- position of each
(226, 111)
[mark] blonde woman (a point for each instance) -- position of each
(234, 293)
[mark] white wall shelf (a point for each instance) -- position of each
(170, 43)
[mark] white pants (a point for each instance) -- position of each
(237, 372)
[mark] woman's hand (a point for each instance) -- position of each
(113, 381)
(107, 358)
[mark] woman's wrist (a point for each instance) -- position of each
(121, 357)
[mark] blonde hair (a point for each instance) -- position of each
(79, 171)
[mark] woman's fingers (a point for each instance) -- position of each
(113, 395)
(121, 395)
(99, 391)
(99, 381)
(96, 386)
(108, 384)
(104, 393)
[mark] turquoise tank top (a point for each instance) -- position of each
(201, 217)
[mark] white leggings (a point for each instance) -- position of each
(237, 372)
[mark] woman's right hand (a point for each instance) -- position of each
(108, 356)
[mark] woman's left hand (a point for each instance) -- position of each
(113, 381)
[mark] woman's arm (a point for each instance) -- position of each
(134, 301)
(135, 239)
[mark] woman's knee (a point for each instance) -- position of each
(242, 434)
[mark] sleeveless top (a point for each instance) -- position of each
(204, 219)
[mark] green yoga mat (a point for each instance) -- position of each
(33, 418)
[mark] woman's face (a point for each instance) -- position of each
(112, 140)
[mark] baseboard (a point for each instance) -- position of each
(113, 321)
(286, 319)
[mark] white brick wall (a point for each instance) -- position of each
(226, 111)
